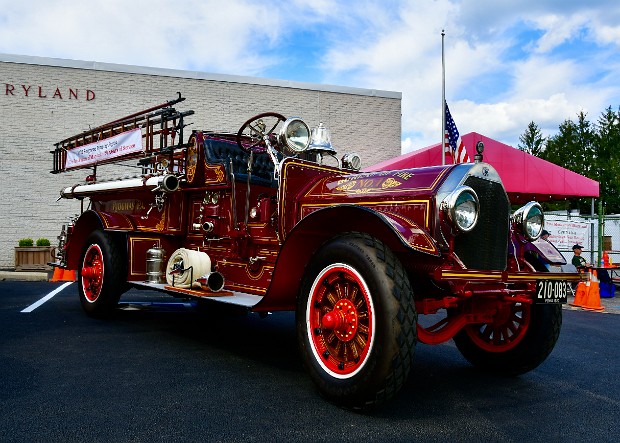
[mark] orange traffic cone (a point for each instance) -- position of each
(585, 288)
(593, 299)
(61, 274)
(57, 274)
(580, 294)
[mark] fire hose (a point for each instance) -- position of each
(185, 266)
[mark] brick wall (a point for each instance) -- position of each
(33, 119)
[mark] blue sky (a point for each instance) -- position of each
(508, 62)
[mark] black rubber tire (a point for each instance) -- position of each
(534, 348)
(388, 362)
(114, 274)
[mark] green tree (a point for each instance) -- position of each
(574, 148)
(532, 141)
(562, 149)
(607, 164)
(586, 143)
(587, 149)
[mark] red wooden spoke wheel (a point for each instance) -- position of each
(102, 275)
(505, 332)
(340, 320)
(92, 273)
(520, 338)
(356, 321)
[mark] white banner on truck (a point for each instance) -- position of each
(129, 142)
(565, 234)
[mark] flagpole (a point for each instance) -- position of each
(443, 101)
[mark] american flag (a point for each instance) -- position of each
(453, 145)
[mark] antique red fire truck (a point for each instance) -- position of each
(270, 219)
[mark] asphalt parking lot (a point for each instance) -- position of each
(160, 370)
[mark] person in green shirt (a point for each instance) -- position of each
(578, 260)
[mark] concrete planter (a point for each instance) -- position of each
(33, 258)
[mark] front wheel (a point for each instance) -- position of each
(356, 322)
(102, 274)
(517, 342)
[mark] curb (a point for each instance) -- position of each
(23, 276)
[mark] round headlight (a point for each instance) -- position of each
(295, 135)
(529, 219)
(462, 208)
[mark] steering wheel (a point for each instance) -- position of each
(255, 129)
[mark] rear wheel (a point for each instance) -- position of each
(520, 339)
(356, 322)
(102, 273)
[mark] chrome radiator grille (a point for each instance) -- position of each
(486, 246)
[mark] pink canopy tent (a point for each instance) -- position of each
(525, 176)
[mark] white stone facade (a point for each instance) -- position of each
(43, 101)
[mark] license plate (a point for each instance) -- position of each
(551, 291)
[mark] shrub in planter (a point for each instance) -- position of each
(33, 258)
(25, 242)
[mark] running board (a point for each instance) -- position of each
(232, 298)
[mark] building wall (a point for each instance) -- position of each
(43, 101)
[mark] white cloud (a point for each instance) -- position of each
(508, 62)
(206, 35)
(558, 29)
(607, 34)
(407, 145)
(503, 66)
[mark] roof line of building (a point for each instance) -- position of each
(165, 72)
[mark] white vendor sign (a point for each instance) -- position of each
(565, 234)
(128, 142)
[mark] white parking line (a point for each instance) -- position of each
(34, 306)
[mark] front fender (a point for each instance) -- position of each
(398, 233)
(410, 234)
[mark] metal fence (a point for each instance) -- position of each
(596, 234)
